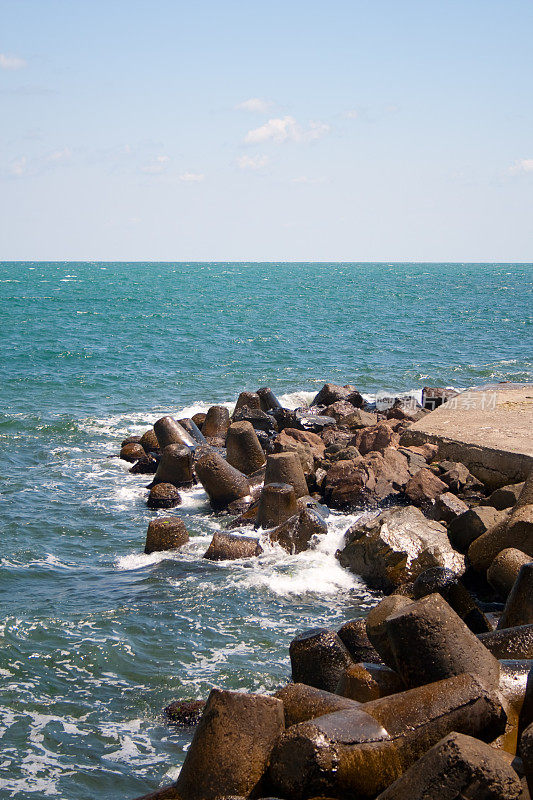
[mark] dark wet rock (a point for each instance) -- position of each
(376, 438)
(216, 423)
(295, 534)
(168, 431)
(335, 436)
(149, 441)
(504, 570)
(376, 625)
(349, 453)
(314, 423)
(277, 503)
(184, 712)
(331, 393)
(260, 420)
(146, 465)
(175, 466)
(268, 399)
(192, 428)
(243, 450)
(424, 487)
(230, 751)
(526, 712)
(222, 482)
(516, 642)
(519, 606)
(132, 452)
(359, 752)
(427, 451)
(446, 507)
(165, 533)
(396, 546)
(318, 658)
(130, 440)
(446, 583)
(228, 546)
(472, 524)
(458, 478)
(339, 410)
(365, 682)
(430, 642)
(433, 397)
(505, 496)
(286, 468)
(164, 495)
(457, 766)
(303, 702)
(199, 420)
(355, 638)
(247, 400)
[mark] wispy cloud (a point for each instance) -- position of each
(22, 166)
(286, 129)
(18, 167)
(192, 177)
(252, 162)
(157, 165)
(11, 62)
(523, 165)
(256, 105)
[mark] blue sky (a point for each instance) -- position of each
(367, 130)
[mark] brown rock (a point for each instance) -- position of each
(447, 507)
(164, 495)
(519, 606)
(513, 531)
(243, 450)
(248, 400)
(331, 393)
(303, 702)
(505, 496)
(222, 482)
(355, 638)
(199, 419)
(376, 625)
(472, 524)
(292, 435)
(149, 441)
(424, 487)
(339, 410)
(446, 583)
(433, 397)
(318, 658)
(510, 642)
(504, 570)
(216, 423)
(165, 533)
(295, 534)
(378, 437)
(175, 466)
(357, 419)
(132, 452)
(185, 712)
(277, 503)
(168, 431)
(365, 682)
(228, 546)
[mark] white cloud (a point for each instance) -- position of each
(11, 62)
(59, 155)
(192, 177)
(252, 162)
(286, 129)
(352, 114)
(255, 104)
(18, 166)
(524, 165)
(156, 166)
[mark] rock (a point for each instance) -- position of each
(314, 423)
(365, 682)
(286, 468)
(147, 465)
(303, 702)
(510, 642)
(185, 712)
(293, 436)
(376, 438)
(430, 642)
(525, 498)
(132, 452)
(457, 766)
(504, 570)
(168, 431)
(149, 441)
(355, 638)
(433, 397)
(230, 751)
(472, 524)
(424, 487)
(427, 451)
(526, 712)
(357, 419)
(258, 419)
(396, 546)
(243, 450)
(229, 546)
(376, 625)
(458, 477)
(216, 423)
(193, 430)
(175, 466)
(295, 534)
(366, 481)
(248, 400)
(331, 393)
(165, 533)
(276, 504)
(446, 507)
(519, 606)
(448, 585)
(164, 495)
(222, 482)
(130, 440)
(286, 444)
(268, 399)
(358, 752)
(512, 688)
(514, 531)
(526, 751)
(339, 410)
(199, 420)
(505, 496)
(318, 658)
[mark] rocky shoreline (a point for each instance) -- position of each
(432, 695)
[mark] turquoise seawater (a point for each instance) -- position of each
(95, 637)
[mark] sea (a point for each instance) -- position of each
(96, 638)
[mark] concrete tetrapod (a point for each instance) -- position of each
(359, 752)
(457, 766)
(303, 702)
(519, 606)
(175, 466)
(319, 658)
(504, 570)
(286, 468)
(222, 482)
(243, 450)
(168, 431)
(216, 423)
(165, 533)
(276, 504)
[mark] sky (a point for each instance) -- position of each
(357, 130)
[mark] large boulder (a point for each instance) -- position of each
(357, 419)
(396, 546)
(339, 410)
(132, 451)
(505, 496)
(424, 487)
(331, 393)
(295, 534)
(513, 531)
(473, 523)
(293, 436)
(378, 437)
(366, 481)
(243, 450)
(228, 546)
